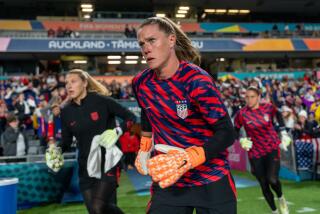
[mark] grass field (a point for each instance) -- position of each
(303, 197)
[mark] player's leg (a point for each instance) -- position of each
(273, 167)
(259, 169)
(102, 198)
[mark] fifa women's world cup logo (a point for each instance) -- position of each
(182, 108)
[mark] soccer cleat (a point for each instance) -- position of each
(283, 206)
(275, 212)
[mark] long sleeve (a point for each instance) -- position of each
(66, 136)
(145, 124)
(214, 112)
(120, 111)
(224, 136)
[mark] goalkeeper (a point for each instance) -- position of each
(90, 115)
(182, 108)
(263, 145)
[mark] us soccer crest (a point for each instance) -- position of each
(182, 108)
(266, 118)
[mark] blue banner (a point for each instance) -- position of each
(270, 74)
(131, 45)
(108, 45)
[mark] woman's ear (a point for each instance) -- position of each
(172, 40)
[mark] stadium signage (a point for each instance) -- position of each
(122, 44)
(101, 44)
(197, 44)
(69, 44)
(131, 45)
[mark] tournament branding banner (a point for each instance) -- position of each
(78, 45)
(131, 45)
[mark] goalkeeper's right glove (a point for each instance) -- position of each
(246, 143)
(54, 157)
(168, 168)
(144, 154)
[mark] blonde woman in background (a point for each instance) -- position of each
(88, 113)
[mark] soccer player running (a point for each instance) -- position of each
(263, 147)
(88, 114)
(182, 108)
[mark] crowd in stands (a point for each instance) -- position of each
(274, 32)
(130, 31)
(29, 106)
(299, 31)
(63, 33)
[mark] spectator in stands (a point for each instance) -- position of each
(75, 34)
(133, 32)
(127, 31)
(60, 32)
(286, 29)
(275, 30)
(67, 32)
(288, 117)
(55, 109)
(305, 129)
(297, 105)
(3, 116)
(61, 81)
(41, 118)
(8, 98)
(51, 33)
(129, 142)
(14, 141)
(62, 93)
(315, 109)
(23, 109)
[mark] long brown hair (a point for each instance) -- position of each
(183, 48)
(93, 84)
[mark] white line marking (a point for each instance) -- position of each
(306, 210)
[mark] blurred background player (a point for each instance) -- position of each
(263, 151)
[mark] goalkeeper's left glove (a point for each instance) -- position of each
(285, 140)
(109, 137)
(168, 168)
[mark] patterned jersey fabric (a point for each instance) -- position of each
(259, 127)
(182, 111)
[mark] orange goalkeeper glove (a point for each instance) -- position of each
(168, 168)
(143, 155)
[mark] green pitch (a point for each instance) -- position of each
(302, 197)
